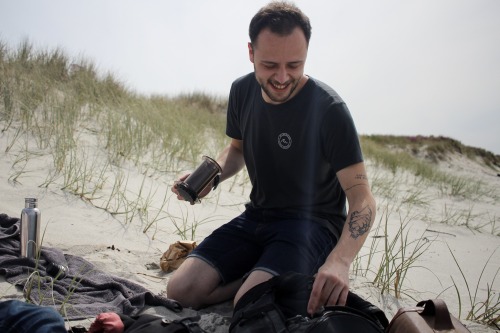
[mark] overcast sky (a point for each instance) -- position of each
(428, 67)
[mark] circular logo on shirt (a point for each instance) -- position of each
(284, 140)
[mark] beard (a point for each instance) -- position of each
(278, 96)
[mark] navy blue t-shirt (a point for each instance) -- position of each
(293, 150)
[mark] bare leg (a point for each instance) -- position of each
(196, 284)
(253, 279)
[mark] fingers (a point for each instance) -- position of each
(318, 296)
(174, 187)
(334, 295)
(201, 194)
(343, 297)
(327, 292)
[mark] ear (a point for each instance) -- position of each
(250, 51)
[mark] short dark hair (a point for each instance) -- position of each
(281, 17)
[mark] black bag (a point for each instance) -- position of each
(337, 319)
(147, 323)
(280, 305)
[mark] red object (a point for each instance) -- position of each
(108, 322)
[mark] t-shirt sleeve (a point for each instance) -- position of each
(340, 138)
(232, 124)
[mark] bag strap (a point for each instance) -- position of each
(437, 308)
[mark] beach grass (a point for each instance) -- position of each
(86, 130)
(485, 310)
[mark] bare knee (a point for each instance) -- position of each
(184, 291)
(192, 284)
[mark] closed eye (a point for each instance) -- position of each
(290, 65)
(294, 65)
(269, 65)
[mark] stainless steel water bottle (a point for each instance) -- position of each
(30, 228)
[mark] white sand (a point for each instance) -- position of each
(78, 228)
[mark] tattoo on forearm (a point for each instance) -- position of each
(360, 221)
(361, 176)
(347, 189)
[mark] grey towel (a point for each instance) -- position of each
(83, 292)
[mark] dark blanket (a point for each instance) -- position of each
(83, 293)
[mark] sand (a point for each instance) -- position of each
(122, 248)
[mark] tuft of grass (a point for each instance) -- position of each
(186, 226)
(399, 253)
(399, 256)
(485, 311)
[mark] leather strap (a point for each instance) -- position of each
(437, 308)
(216, 181)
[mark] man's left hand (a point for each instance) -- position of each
(330, 287)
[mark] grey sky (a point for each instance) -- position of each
(428, 67)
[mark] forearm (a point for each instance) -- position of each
(331, 285)
(359, 221)
(231, 159)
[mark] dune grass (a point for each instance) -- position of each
(391, 257)
(481, 310)
(432, 148)
(86, 130)
(55, 111)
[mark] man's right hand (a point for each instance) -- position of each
(202, 194)
(230, 159)
(174, 187)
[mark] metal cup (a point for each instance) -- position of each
(192, 186)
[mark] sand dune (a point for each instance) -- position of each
(441, 224)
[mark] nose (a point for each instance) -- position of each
(281, 75)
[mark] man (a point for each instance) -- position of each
(298, 142)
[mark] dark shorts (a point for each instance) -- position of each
(269, 242)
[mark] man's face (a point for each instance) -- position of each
(279, 64)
